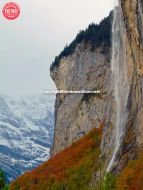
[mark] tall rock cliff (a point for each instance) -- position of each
(132, 141)
(86, 67)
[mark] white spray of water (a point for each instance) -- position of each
(120, 80)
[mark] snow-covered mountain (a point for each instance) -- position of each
(26, 132)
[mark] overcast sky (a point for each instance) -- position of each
(29, 44)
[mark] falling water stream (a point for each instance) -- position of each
(120, 81)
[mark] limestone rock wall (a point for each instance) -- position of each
(133, 138)
(76, 114)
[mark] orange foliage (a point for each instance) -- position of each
(56, 169)
(131, 177)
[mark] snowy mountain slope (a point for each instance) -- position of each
(26, 132)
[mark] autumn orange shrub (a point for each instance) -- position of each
(131, 178)
(72, 167)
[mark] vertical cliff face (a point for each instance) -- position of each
(133, 19)
(87, 68)
(132, 140)
(76, 114)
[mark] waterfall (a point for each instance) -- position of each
(120, 80)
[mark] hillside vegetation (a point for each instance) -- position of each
(3, 185)
(69, 169)
(73, 169)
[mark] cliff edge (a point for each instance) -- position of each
(85, 67)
